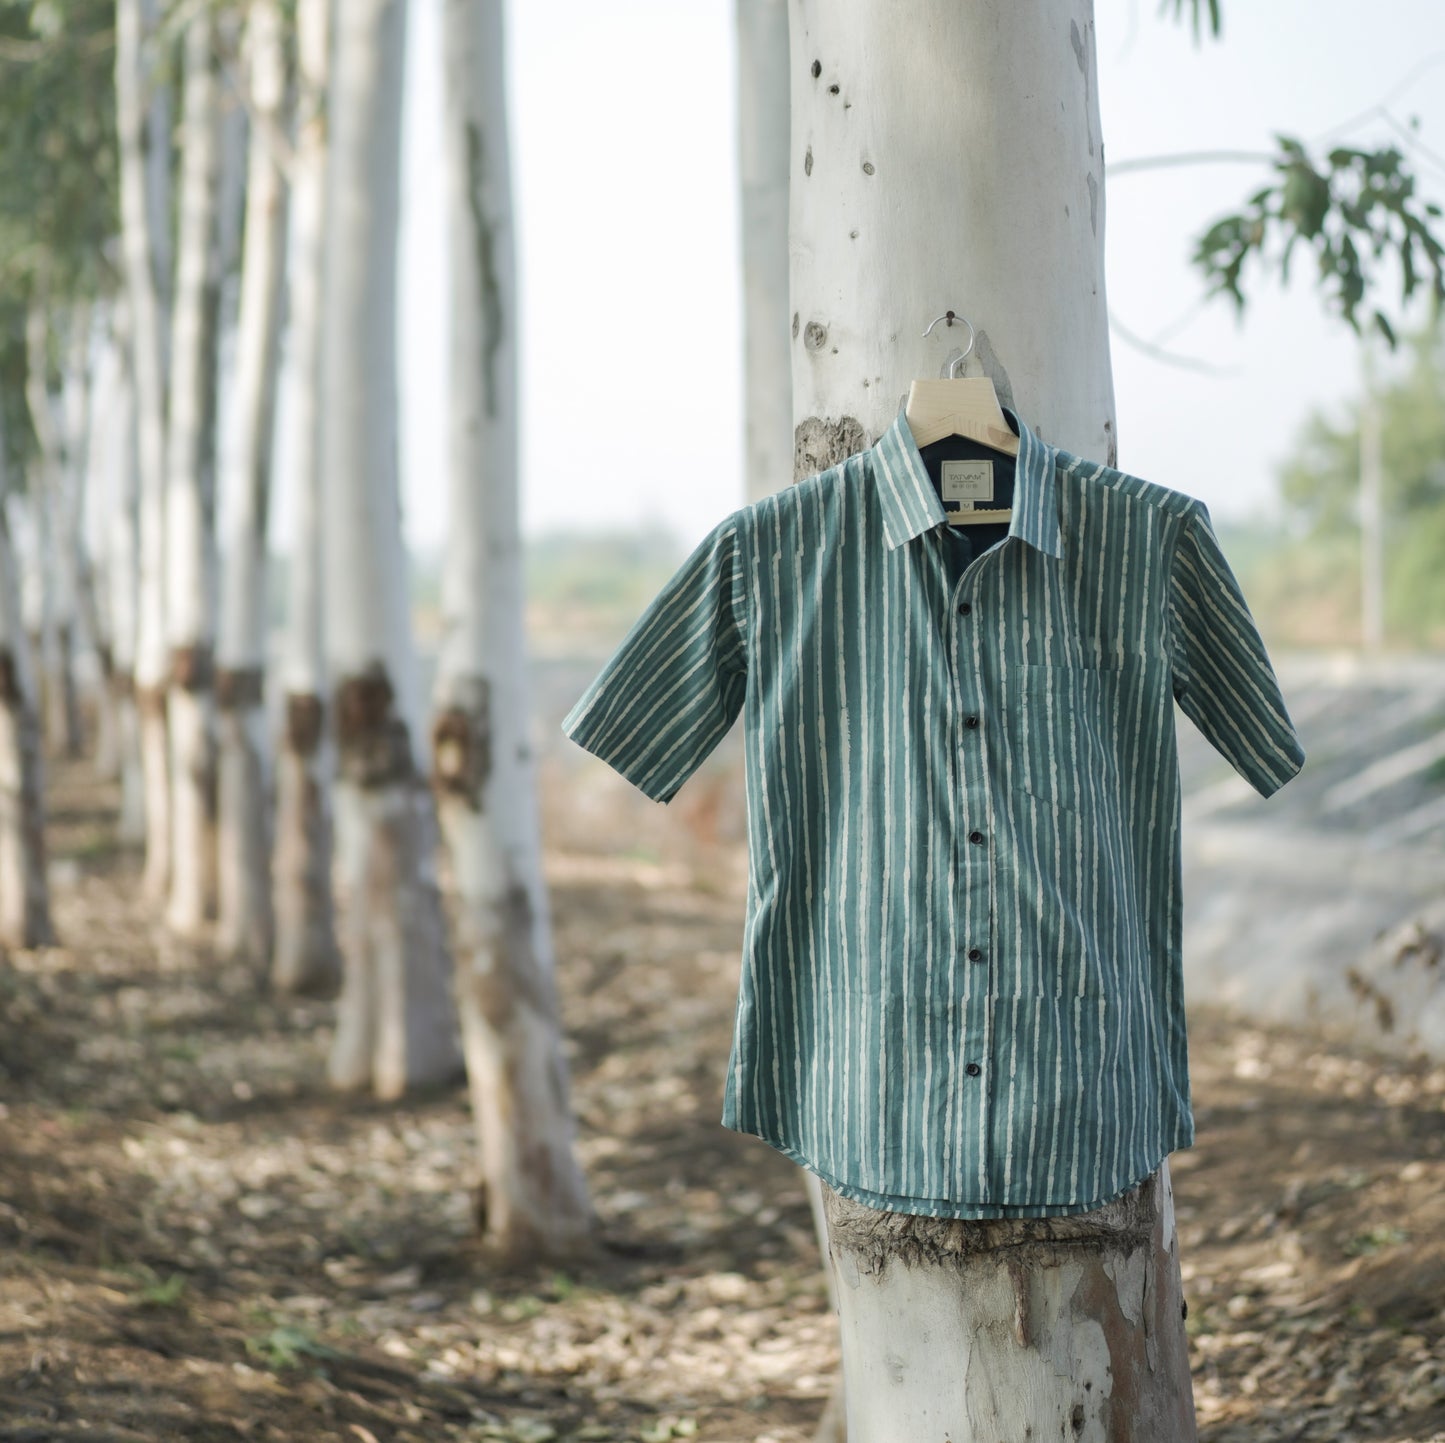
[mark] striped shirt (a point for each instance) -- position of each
(961, 992)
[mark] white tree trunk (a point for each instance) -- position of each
(763, 131)
(121, 575)
(143, 125)
(24, 893)
(1067, 1328)
(972, 194)
(94, 554)
(305, 957)
(982, 194)
(190, 460)
(396, 1024)
(47, 504)
(243, 837)
(484, 763)
(71, 563)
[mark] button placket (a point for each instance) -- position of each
(974, 863)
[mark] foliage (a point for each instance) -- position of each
(16, 435)
(156, 1292)
(1320, 485)
(58, 199)
(1197, 12)
(286, 1346)
(1305, 580)
(1350, 210)
(58, 205)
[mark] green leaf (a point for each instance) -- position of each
(285, 1346)
(163, 1295)
(1306, 199)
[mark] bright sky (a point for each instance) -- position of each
(625, 175)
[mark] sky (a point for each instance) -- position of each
(623, 123)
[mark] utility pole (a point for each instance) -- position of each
(1372, 514)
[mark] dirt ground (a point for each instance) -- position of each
(198, 1241)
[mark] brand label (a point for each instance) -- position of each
(965, 483)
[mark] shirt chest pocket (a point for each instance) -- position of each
(1057, 732)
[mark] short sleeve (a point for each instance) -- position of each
(676, 683)
(1222, 676)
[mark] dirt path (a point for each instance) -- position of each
(197, 1241)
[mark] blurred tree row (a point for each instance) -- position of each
(1304, 573)
(181, 180)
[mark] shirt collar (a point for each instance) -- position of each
(911, 506)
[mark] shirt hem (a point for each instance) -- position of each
(943, 1208)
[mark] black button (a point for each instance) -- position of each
(964, 608)
(975, 954)
(970, 722)
(973, 1069)
(976, 838)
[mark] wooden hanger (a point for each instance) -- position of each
(961, 406)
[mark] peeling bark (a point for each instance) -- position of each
(462, 743)
(305, 959)
(395, 1023)
(372, 740)
(820, 444)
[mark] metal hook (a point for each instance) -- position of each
(950, 317)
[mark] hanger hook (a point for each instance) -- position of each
(951, 317)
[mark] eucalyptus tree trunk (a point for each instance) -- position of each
(305, 957)
(190, 462)
(89, 394)
(24, 892)
(245, 922)
(121, 576)
(984, 195)
(763, 130)
(396, 1025)
(484, 766)
(143, 125)
(47, 504)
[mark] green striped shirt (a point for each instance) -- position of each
(961, 992)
